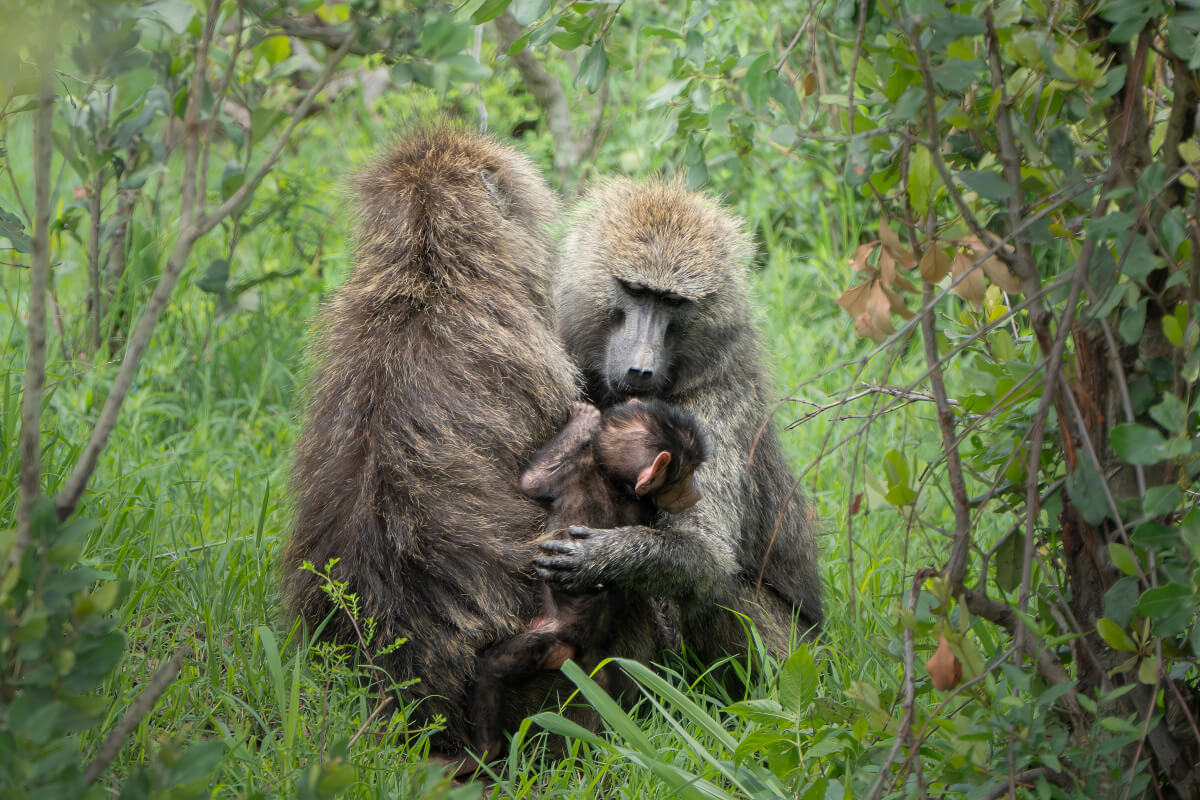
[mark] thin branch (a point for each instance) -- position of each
(111, 746)
(210, 220)
(547, 91)
(30, 489)
(191, 229)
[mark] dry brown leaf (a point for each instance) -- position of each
(854, 299)
(875, 321)
(892, 242)
(889, 276)
(934, 264)
(993, 266)
(810, 84)
(897, 304)
(944, 668)
(861, 254)
(971, 288)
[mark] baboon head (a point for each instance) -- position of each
(653, 449)
(651, 287)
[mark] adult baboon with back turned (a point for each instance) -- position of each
(438, 375)
(652, 301)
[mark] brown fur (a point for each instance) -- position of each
(606, 471)
(632, 240)
(437, 377)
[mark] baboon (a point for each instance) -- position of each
(437, 376)
(606, 470)
(652, 301)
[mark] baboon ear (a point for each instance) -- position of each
(492, 184)
(652, 477)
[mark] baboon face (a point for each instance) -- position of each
(651, 289)
(645, 327)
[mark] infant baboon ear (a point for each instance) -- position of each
(652, 477)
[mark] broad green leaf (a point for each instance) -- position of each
(1161, 500)
(527, 12)
(1171, 413)
(666, 93)
(798, 680)
(987, 184)
(1137, 444)
(1122, 558)
(921, 178)
(593, 68)
(1115, 635)
(1190, 528)
(1165, 601)
(1009, 559)
(1085, 487)
(489, 11)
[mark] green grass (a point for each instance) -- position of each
(191, 499)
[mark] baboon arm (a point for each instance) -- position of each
(687, 560)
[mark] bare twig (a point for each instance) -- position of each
(30, 489)
(193, 225)
(547, 91)
(384, 702)
(145, 701)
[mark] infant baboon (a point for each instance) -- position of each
(652, 301)
(437, 377)
(606, 470)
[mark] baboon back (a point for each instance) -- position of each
(436, 376)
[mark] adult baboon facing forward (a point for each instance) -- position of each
(438, 375)
(652, 301)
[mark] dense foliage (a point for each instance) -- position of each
(1002, 196)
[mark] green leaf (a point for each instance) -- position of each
(921, 177)
(1009, 559)
(1085, 487)
(215, 278)
(1162, 500)
(1120, 599)
(593, 68)
(13, 229)
(666, 93)
(1115, 635)
(1133, 322)
(1122, 558)
(987, 184)
(1165, 601)
(798, 680)
(608, 709)
(175, 14)
(489, 11)
(1148, 670)
(1137, 444)
(527, 12)
(1190, 528)
(784, 135)
(1171, 413)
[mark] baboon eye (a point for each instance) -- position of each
(634, 289)
(675, 300)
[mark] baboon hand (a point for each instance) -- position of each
(573, 564)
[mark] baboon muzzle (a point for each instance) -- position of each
(637, 350)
